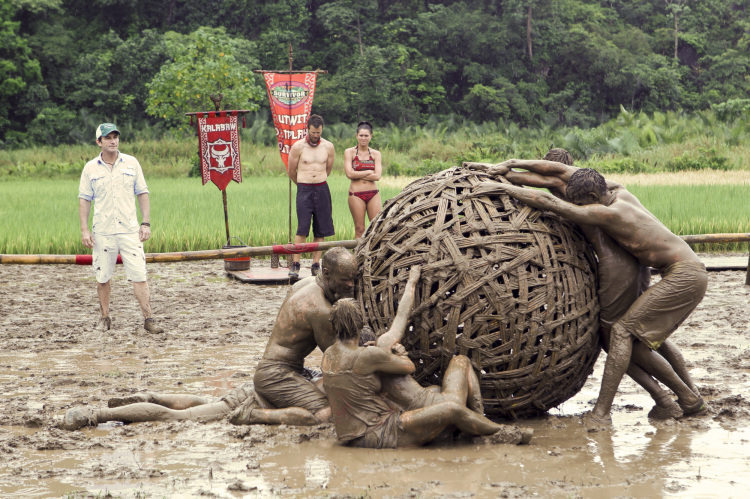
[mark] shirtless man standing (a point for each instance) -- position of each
(659, 310)
(621, 280)
(310, 163)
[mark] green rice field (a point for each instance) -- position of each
(41, 216)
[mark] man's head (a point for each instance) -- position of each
(559, 155)
(346, 317)
(339, 271)
(586, 186)
(314, 128)
(108, 137)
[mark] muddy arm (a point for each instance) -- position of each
(396, 332)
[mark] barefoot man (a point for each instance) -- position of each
(310, 163)
(659, 310)
(621, 280)
(284, 393)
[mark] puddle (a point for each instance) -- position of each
(216, 333)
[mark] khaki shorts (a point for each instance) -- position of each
(129, 246)
(664, 306)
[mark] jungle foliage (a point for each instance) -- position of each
(533, 63)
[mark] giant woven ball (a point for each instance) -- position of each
(509, 286)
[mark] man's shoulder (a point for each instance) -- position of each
(127, 158)
(308, 292)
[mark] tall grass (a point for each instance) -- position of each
(42, 216)
(629, 143)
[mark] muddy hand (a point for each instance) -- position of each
(480, 167)
(501, 169)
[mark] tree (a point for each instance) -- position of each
(346, 18)
(18, 70)
(204, 62)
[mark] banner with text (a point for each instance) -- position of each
(291, 97)
(219, 137)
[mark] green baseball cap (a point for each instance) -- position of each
(105, 129)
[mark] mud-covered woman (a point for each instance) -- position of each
(363, 167)
(362, 415)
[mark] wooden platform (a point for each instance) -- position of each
(263, 274)
(725, 262)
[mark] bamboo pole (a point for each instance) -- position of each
(186, 256)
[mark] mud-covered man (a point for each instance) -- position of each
(310, 163)
(283, 391)
(656, 313)
(303, 324)
(621, 280)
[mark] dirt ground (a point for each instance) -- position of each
(52, 359)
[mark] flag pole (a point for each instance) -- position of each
(216, 98)
(290, 178)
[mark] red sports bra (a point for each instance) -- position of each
(359, 165)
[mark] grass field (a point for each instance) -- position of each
(41, 216)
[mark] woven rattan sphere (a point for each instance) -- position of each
(509, 286)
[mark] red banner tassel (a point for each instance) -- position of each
(191, 120)
(243, 121)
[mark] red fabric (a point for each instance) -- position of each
(219, 140)
(365, 196)
(291, 249)
(89, 259)
(291, 97)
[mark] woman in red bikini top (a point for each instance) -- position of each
(363, 167)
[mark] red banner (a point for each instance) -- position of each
(219, 137)
(291, 97)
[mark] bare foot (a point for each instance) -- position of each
(507, 435)
(665, 408)
(698, 407)
(595, 423)
(244, 413)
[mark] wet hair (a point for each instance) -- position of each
(315, 121)
(584, 181)
(559, 155)
(346, 317)
(335, 257)
(366, 125)
(367, 335)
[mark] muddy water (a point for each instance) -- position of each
(52, 360)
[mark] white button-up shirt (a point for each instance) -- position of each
(112, 190)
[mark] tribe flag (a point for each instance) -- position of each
(291, 97)
(219, 137)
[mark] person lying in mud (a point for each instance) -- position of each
(656, 313)
(283, 393)
(353, 380)
(621, 280)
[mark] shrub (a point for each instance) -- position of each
(698, 160)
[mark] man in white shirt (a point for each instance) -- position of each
(110, 180)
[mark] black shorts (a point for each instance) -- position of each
(314, 203)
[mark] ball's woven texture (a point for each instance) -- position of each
(511, 287)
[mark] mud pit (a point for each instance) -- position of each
(217, 329)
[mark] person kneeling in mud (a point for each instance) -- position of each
(353, 378)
